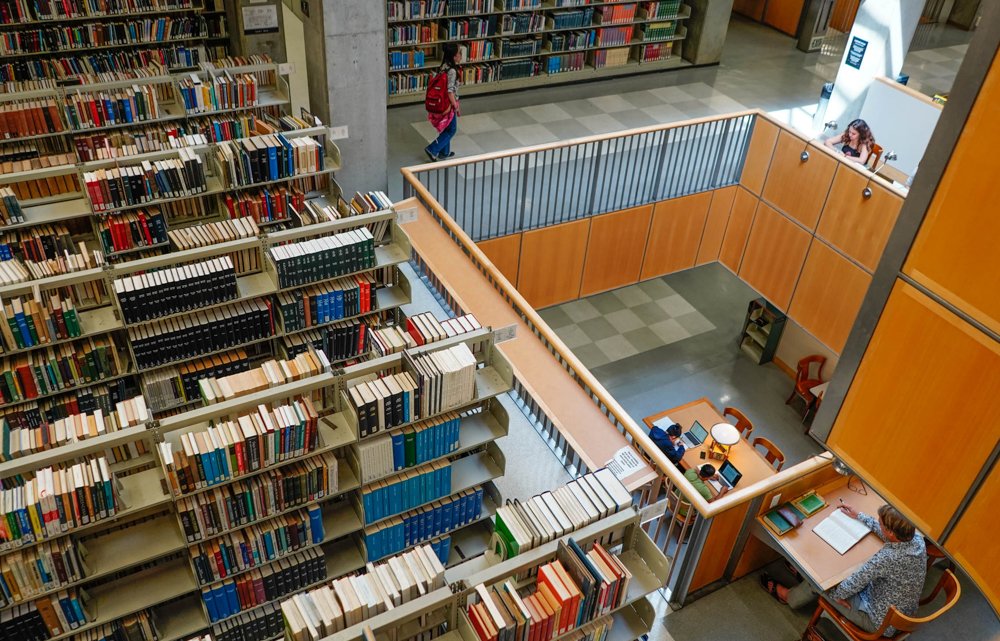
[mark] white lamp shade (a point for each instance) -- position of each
(725, 434)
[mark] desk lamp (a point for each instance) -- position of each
(853, 482)
(867, 191)
(724, 436)
(804, 156)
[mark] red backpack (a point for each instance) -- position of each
(436, 101)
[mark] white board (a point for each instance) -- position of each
(901, 121)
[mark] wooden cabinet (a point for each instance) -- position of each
(761, 331)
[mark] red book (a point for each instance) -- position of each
(27, 382)
(414, 331)
(548, 578)
(145, 228)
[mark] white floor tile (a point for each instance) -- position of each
(611, 104)
(547, 113)
(601, 124)
(532, 134)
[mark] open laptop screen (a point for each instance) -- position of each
(729, 472)
(698, 432)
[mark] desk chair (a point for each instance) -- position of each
(771, 452)
(836, 627)
(874, 157)
(805, 379)
(743, 424)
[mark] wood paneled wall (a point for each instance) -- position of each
(774, 256)
(675, 235)
(505, 252)
(973, 543)
(799, 189)
(715, 225)
(551, 263)
(615, 249)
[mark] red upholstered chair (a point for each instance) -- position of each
(808, 374)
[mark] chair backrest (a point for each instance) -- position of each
(802, 372)
(903, 623)
(874, 156)
(771, 452)
(743, 424)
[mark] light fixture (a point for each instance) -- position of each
(853, 482)
(840, 468)
(724, 436)
(804, 156)
(867, 191)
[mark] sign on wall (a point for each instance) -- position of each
(856, 52)
(260, 19)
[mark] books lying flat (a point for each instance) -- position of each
(841, 531)
(809, 503)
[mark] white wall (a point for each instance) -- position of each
(901, 120)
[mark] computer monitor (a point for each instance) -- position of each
(729, 472)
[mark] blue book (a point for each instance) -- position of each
(338, 303)
(209, 598)
(289, 156)
(22, 324)
(316, 523)
(438, 524)
(366, 504)
(69, 612)
(272, 161)
(232, 599)
(269, 545)
(129, 116)
(398, 451)
(448, 515)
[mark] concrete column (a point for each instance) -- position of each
(707, 30)
(883, 29)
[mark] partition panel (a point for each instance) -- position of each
(759, 155)
(615, 249)
(715, 225)
(740, 220)
(798, 188)
(828, 296)
(775, 252)
(552, 263)
(856, 225)
(505, 253)
(675, 234)
(926, 375)
(973, 541)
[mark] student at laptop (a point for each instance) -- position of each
(698, 477)
(892, 576)
(669, 442)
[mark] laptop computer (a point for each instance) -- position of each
(729, 476)
(694, 436)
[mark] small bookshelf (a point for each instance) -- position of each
(761, 331)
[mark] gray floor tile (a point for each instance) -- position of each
(650, 312)
(597, 328)
(512, 118)
(676, 305)
(635, 118)
(694, 108)
(624, 320)
(606, 303)
(556, 317)
(640, 99)
(601, 123)
(568, 129)
(664, 113)
(547, 113)
(643, 339)
(611, 104)
(578, 108)
(632, 295)
(669, 330)
(591, 356)
(616, 347)
(573, 336)
(529, 135)
(496, 141)
(657, 288)
(694, 323)
(580, 310)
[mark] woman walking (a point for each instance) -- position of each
(443, 111)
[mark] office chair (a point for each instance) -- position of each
(743, 424)
(771, 452)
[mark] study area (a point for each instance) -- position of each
(636, 361)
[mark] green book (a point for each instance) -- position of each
(410, 448)
(511, 547)
(810, 503)
(72, 322)
(16, 331)
(777, 523)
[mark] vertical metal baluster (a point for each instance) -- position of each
(552, 191)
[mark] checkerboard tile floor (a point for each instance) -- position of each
(608, 327)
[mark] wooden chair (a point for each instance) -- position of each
(771, 452)
(874, 157)
(835, 626)
(743, 424)
(804, 380)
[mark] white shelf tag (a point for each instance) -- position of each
(504, 334)
(286, 68)
(407, 215)
(338, 133)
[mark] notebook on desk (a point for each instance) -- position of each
(840, 531)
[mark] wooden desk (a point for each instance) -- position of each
(814, 556)
(747, 460)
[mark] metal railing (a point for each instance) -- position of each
(505, 193)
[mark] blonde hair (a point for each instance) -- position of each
(895, 522)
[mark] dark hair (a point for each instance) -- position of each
(707, 470)
(674, 430)
(895, 522)
(865, 136)
(448, 53)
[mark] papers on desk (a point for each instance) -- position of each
(663, 422)
(624, 463)
(841, 531)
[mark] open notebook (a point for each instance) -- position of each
(841, 531)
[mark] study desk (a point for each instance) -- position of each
(814, 557)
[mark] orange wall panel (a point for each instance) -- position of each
(784, 15)
(759, 155)
(740, 220)
(798, 188)
(675, 234)
(552, 263)
(775, 252)
(954, 253)
(856, 225)
(828, 295)
(926, 376)
(505, 252)
(614, 251)
(753, 9)
(973, 541)
(715, 225)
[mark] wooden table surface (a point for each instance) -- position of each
(816, 557)
(747, 460)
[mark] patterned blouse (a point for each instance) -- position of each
(893, 576)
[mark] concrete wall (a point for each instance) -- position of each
(707, 30)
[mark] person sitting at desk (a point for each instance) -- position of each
(856, 143)
(669, 442)
(698, 477)
(893, 576)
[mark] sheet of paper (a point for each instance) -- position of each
(624, 463)
(663, 422)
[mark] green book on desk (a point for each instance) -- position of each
(783, 519)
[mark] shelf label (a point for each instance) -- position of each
(338, 133)
(260, 19)
(504, 334)
(624, 463)
(407, 215)
(653, 511)
(286, 68)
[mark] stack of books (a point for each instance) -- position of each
(266, 205)
(27, 321)
(150, 295)
(406, 491)
(170, 387)
(446, 379)
(208, 234)
(268, 374)
(385, 402)
(48, 617)
(131, 185)
(225, 91)
(47, 250)
(408, 447)
(325, 303)
(42, 187)
(27, 118)
(10, 208)
(339, 341)
(251, 161)
(47, 371)
(322, 258)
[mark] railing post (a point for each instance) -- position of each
(524, 196)
(593, 177)
(658, 176)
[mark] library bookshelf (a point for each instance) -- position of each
(148, 542)
(516, 44)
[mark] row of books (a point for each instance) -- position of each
(385, 403)
(411, 446)
(50, 370)
(470, 28)
(609, 58)
(339, 341)
(571, 40)
(616, 14)
(406, 490)
(149, 295)
(131, 185)
(267, 205)
(656, 51)
(25, 118)
(270, 373)
(229, 449)
(226, 91)
(260, 624)
(613, 36)
(322, 258)
(10, 209)
(86, 400)
(210, 514)
(23, 433)
(659, 30)
(84, 64)
(29, 322)
(327, 302)
(565, 62)
(121, 106)
(570, 19)
(413, 34)
(521, 23)
(520, 47)
(55, 500)
(397, 10)
(423, 524)
(407, 59)
(74, 37)
(477, 50)
(260, 159)
(350, 600)
(660, 9)
(40, 10)
(521, 526)
(260, 586)
(18, 267)
(257, 545)
(446, 379)
(41, 187)
(132, 230)
(173, 386)
(48, 617)
(28, 573)
(208, 234)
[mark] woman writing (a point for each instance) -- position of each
(855, 143)
(446, 122)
